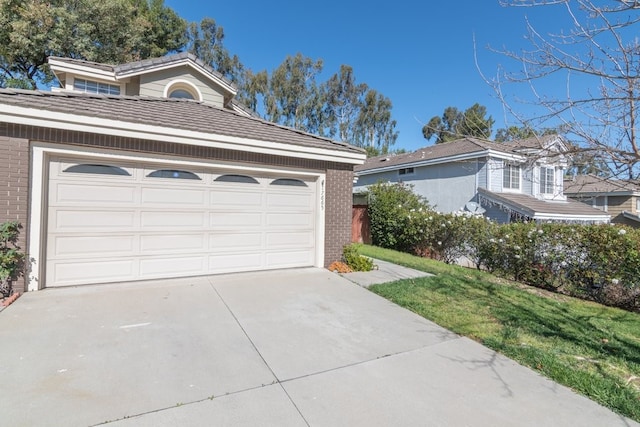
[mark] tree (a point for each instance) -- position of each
(374, 126)
(344, 100)
(111, 31)
(455, 124)
(205, 41)
(598, 59)
(292, 91)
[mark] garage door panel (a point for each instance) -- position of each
(83, 246)
(90, 271)
(292, 220)
(172, 243)
(172, 266)
(290, 258)
(302, 239)
(173, 196)
(235, 199)
(223, 242)
(173, 220)
(97, 194)
(235, 219)
(291, 200)
(223, 263)
(67, 220)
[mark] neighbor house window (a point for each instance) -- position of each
(405, 171)
(511, 177)
(547, 180)
(89, 86)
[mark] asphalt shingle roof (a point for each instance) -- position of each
(595, 184)
(170, 113)
(531, 206)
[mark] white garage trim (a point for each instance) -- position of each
(65, 121)
(41, 154)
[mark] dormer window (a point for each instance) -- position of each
(90, 86)
(547, 180)
(182, 89)
(511, 177)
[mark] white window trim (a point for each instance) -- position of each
(554, 181)
(42, 152)
(509, 189)
(185, 85)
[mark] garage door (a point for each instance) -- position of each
(119, 222)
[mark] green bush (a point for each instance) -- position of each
(597, 262)
(390, 209)
(356, 261)
(11, 258)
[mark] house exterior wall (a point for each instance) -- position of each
(529, 182)
(483, 173)
(15, 157)
(153, 84)
(132, 88)
(447, 187)
(496, 214)
(495, 170)
(14, 197)
(616, 205)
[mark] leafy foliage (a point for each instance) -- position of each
(354, 260)
(11, 258)
(110, 31)
(597, 262)
(455, 124)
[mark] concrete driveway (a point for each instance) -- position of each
(299, 347)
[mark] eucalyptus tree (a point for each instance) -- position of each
(455, 124)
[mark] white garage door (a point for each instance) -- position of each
(116, 222)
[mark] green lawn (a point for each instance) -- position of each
(593, 349)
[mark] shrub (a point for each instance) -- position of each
(354, 260)
(391, 206)
(11, 258)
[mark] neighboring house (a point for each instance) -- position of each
(522, 180)
(618, 198)
(118, 176)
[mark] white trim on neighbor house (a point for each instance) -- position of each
(72, 122)
(440, 160)
(520, 183)
(184, 85)
(41, 153)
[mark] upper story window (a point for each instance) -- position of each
(547, 180)
(182, 89)
(511, 177)
(405, 171)
(89, 86)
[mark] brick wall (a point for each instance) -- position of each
(339, 180)
(14, 195)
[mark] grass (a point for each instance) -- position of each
(593, 349)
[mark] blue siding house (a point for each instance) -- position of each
(516, 181)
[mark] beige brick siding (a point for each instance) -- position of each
(15, 158)
(14, 196)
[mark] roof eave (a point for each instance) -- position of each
(73, 122)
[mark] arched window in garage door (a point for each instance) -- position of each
(173, 174)
(244, 179)
(289, 181)
(97, 169)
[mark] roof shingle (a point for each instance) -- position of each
(170, 113)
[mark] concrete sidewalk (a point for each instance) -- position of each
(301, 347)
(385, 272)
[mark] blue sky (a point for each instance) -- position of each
(418, 54)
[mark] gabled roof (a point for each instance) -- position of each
(122, 71)
(172, 120)
(461, 149)
(466, 147)
(536, 209)
(589, 185)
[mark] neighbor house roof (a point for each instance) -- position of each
(439, 152)
(464, 148)
(172, 120)
(589, 185)
(537, 209)
(117, 72)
